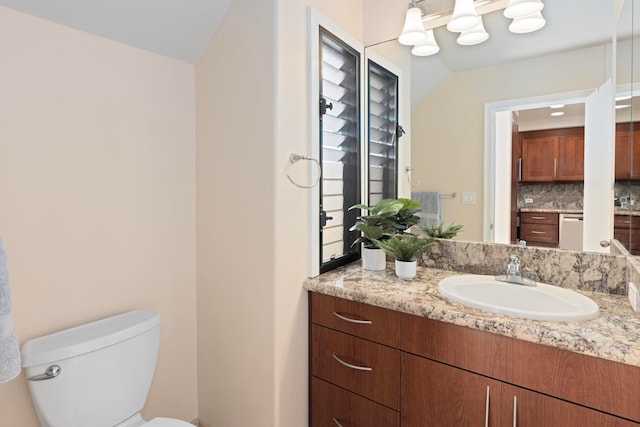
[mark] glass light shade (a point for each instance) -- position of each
(427, 47)
(475, 35)
(464, 16)
(527, 24)
(413, 30)
(522, 8)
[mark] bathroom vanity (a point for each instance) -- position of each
(388, 352)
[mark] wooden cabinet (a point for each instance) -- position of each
(441, 395)
(553, 155)
(626, 229)
(539, 229)
(525, 408)
(627, 155)
(435, 394)
(355, 364)
(443, 375)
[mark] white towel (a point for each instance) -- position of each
(9, 350)
(430, 201)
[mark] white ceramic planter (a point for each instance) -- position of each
(406, 270)
(373, 259)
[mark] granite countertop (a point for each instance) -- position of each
(613, 335)
(551, 210)
(616, 211)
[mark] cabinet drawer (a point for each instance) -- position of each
(363, 320)
(330, 404)
(538, 218)
(626, 221)
(369, 369)
(544, 233)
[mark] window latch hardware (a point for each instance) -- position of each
(324, 106)
(399, 132)
(324, 218)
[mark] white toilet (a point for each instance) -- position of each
(97, 374)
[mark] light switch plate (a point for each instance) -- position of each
(468, 197)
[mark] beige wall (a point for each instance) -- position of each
(253, 317)
(448, 126)
(292, 204)
(97, 195)
(235, 96)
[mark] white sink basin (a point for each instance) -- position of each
(540, 302)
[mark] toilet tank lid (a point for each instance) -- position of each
(87, 337)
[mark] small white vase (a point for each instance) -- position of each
(373, 259)
(406, 270)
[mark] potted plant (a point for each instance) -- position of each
(387, 217)
(373, 227)
(405, 249)
(441, 233)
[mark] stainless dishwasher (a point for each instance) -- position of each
(571, 232)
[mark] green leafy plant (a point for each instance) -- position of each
(387, 217)
(406, 216)
(405, 248)
(441, 233)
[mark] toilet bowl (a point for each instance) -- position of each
(97, 374)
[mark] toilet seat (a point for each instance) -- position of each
(166, 422)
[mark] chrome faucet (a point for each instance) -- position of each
(514, 273)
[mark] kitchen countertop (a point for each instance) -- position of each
(613, 335)
(616, 211)
(551, 210)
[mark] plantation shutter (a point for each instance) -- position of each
(382, 133)
(340, 150)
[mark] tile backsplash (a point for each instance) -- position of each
(579, 270)
(554, 195)
(569, 195)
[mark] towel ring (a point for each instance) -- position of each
(293, 159)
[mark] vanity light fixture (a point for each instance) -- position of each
(527, 24)
(555, 106)
(621, 106)
(413, 30)
(521, 8)
(464, 16)
(475, 35)
(557, 113)
(427, 47)
(466, 19)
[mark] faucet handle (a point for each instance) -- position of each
(513, 268)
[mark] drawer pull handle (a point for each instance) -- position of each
(515, 411)
(360, 322)
(486, 410)
(538, 217)
(349, 365)
(337, 423)
(537, 232)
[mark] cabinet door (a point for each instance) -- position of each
(435, 394)
(524, 408)
(570, 163)
(627, 151)
(623, 151)
(539, 154)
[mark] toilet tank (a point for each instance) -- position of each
(106, 368)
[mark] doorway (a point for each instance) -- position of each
(598, 163)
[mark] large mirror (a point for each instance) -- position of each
(570, 59)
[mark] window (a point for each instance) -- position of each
(340, 150)
(355, 143)
(383, 133)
